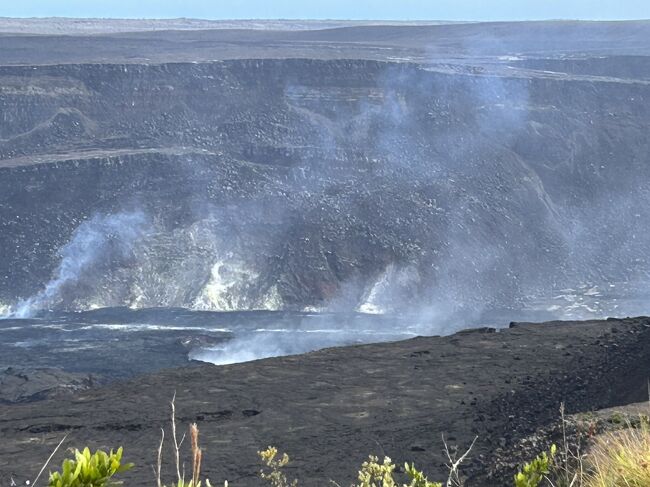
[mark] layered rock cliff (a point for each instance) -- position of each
(327, 183)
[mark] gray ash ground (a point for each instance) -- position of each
(330, 409)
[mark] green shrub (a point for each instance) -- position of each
(272, 472)
(418, 479)
(375, 474)
(371, 474)
(89, 470)
(532, 473)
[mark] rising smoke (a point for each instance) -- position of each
(445, 192)
(103, 240)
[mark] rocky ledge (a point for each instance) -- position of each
(23, 384)
(330, 409)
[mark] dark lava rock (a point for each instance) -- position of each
(330, 409)
(26, 385)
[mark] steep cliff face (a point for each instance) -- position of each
(294, 183)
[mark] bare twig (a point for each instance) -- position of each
(48, 460)
(454, 478)
(575, 478)
(159, 465)
(566, 445)
(177, 446)
(581, 471)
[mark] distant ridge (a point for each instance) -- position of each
(81, 26)
(65, 41)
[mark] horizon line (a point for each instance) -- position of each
(559, 19)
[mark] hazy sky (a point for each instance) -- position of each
(333, 9)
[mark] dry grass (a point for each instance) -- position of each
(620, 459)
(615, 458)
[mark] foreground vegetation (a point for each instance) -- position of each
(619, 458)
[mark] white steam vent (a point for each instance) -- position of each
(389, 290)
(233, 286)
